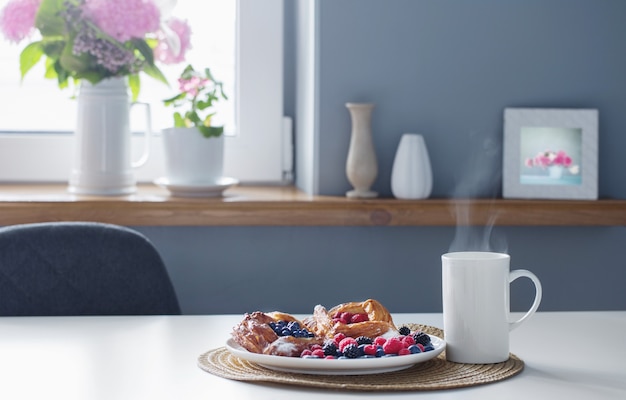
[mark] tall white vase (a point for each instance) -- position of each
(361, 165)
(411, 174)
(103, 164)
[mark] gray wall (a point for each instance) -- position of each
(446, 69)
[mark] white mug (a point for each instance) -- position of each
(476, 305)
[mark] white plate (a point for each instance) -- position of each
(358, 366)
(215, 189)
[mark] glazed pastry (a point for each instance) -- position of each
(255, 334)
(379, 321)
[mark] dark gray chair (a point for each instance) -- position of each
(81, 268)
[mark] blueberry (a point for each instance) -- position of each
(285, 332)
(380, 352)
(429, 347)
(414, 349)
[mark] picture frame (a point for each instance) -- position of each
(550, 154)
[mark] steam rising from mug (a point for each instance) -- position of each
(479, 178)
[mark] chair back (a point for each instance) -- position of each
(81, 268)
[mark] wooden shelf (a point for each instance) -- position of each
(286, 206)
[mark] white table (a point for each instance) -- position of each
(576, 355)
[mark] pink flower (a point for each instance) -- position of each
(124, 19)
(174, 41)
(193, 85)
(562, 159)
(17, 20)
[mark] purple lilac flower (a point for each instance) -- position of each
(108, 55)
(124, 19)
(17, 19)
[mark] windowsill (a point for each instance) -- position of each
(287, 206)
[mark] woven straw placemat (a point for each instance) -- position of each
(434, 374)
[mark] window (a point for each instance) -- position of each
(243, 46)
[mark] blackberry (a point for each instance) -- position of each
(404, 331)
(422, 338)
(330, 349)
(351, 351)
(364, 340)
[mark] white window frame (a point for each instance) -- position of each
(259, 152)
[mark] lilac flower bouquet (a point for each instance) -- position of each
(96, 39)
(198, 91)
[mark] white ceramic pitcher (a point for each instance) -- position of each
(103, 164)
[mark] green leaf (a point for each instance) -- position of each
(145, 50)
(30, 56)
(203, 105)
(53, 47)
(134, 83)
(211, 131)
(50, 73)
(48, 18)
(179, 121)
(79, 64)
(154, 72)
(172, 100)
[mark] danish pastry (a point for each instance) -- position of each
(255, 334)
(327, 323)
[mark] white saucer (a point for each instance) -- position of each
(214, 189)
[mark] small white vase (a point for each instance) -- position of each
(103, 164)
(361, 165)
(191, 158)
(555, 171)
(411, 174)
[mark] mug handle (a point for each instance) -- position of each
(146, 142)
(519, 273)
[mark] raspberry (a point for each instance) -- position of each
(305, 352)
(404, 331)
(346, 342)
(358, 318)
(318, 353)
(408, 341)
(339, 337)
(421, 337)
(393, 345)
(346, 317)
(370, 349)
(404, 352)
(380, 341)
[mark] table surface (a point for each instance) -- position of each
(569, 355)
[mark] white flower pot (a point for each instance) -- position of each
(191, 158)
(411, 174)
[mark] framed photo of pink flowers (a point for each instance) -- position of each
(550, 153)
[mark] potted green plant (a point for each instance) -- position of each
(194, 147)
